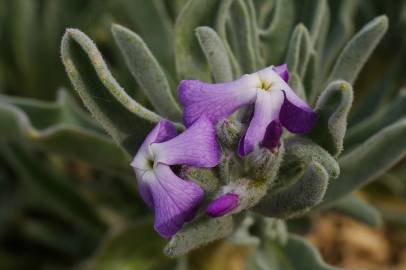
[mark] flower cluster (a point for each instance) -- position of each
(273, 104)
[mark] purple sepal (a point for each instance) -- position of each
(222, 205)
(296, 119)
(272, 135)
(282, 71)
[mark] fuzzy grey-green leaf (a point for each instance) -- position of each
(358, 49)
(300, 49)
(298, 198)
(358, 209)
(199, 233)
(216, 54)
(332, 109)
(123, 118)
(369, 160)
(147, 71)
(190, 62)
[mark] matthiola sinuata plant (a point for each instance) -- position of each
(215, 163)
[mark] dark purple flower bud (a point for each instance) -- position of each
(222, 205)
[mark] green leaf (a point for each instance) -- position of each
(305, 151)
(358, 50)
(198, 233)
(319, 9)
(296, 254)
(154, 25)
(60, 127)
(341, 28)
(298, 198)
(368, 161)
(243, 32)
(358, 209)
(135, 246)
(48, 189)
(216, 54)
(300, 49)
(391, 113)
(122, 117)
(221, 24)
(276, 36)
(332, 109)
(190, 62)
(296, 84)
(147, 71)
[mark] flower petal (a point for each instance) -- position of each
(175, 200)
(282, 71)
(222, 205)
(163, 131)
(295, 117)
(272, 135)
(197, 146)
(266, 110)
(216, 101)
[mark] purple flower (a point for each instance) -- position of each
(174, 200)
(276, 105)
(222, 205)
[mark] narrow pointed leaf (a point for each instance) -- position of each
(276, 35)
(332, 109)
(377, 121)
(358, 50)
(122, 117)
(216, 54)
(358, 209)
(190, 63)
(368, 161)
(300, 49)
(298, 198)
(147, 71)
(199, 233)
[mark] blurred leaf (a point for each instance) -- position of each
(122, 117)
(358, 50)
(51, 190)
(147, 71)
(276, 35)
(341, 28)
(300, 49)
(296, 254)
(243, 44)
(136, 246)
(60, 127)
(358, 209)
(380, 119)
(368, 161)
(190, 63)
(216, 54)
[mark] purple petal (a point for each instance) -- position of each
(216, 101)
(267, 108)
(295, 117)
(163, 131)
(222, 205)
(197, 146)
(272, 135)
(282, 71)
(175, 200)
